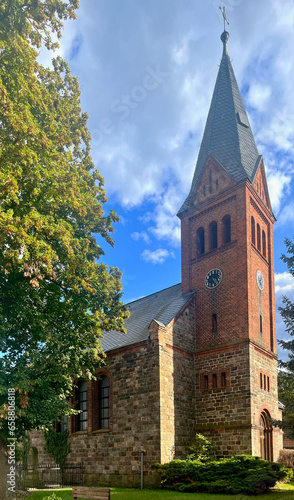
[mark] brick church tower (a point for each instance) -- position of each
(227, 259)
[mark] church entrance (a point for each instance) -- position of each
(266, 436)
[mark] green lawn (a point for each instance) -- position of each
(285, 492)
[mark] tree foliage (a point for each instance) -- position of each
(202, 449)
(55, 297)
(286, 375)
(56, 443)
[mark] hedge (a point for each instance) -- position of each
(240, 474)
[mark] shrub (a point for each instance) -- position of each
(239, 474)
(203, 449)
(286, 457)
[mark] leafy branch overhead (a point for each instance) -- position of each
(35, 20)
(286, 374)
(55, 296)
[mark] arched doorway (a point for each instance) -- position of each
(265, 436)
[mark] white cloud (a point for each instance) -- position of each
(142, 235)
(258, 96)
(147, 153)
(157, 256)
(284, 282)
(286, 216)
(284, 286)
(278, 184)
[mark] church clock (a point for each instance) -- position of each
(260, 280)
(213, 278)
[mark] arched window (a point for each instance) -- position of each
(258, 237)
(263, 244)
(253, 230)
(265, 436)
(61, 425)
(82, 406)
(104, 403)
(212, 235)
(200, 241)
(226, 227)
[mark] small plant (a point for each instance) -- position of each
(52, 497)
(203, 449)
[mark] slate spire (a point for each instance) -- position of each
(227, 135)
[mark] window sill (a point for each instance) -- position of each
(101, 431)
(220, 248)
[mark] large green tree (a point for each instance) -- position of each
(55, 297)
(286, 374)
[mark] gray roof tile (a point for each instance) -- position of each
(161, 306)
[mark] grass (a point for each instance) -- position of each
(283, 492)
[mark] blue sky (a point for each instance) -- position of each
(147, 69)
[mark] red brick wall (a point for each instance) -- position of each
(231, 415)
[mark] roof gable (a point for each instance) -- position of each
(213, 180)
(260, 185)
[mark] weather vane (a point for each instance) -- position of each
(223, 11)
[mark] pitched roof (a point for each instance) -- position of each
(227, 135)
(161, 306)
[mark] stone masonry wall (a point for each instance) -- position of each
(265, 397)
(112, 457)
(223, 414)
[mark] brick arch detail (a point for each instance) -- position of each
(266, 435)
(264, 408)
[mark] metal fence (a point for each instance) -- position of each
(49, 476)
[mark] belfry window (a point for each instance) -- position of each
(258, 237)
(212, 235)
(200, 241)
(226, 227)
(223, 379)
(253, 230)
(263, 244)
(210, 181)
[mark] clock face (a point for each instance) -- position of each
(213, 278)
(260, 280)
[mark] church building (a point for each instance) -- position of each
(200, 356)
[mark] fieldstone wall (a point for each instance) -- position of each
(264, 396)
(223, 414)
(113, 456)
